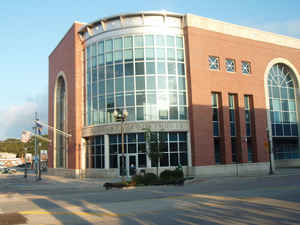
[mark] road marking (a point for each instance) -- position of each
(99, 214)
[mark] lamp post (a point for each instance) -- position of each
(121, 117)
(39, 153)
(270, 151)
(35, 146)
(25, 170)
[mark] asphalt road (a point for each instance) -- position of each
(236, 200)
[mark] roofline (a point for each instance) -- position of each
(241, 31)
(75, 22)
(117, 16)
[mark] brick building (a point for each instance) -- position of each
(211, 92)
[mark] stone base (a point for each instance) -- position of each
(63, 172)
(243, 169)
(101, 173)
(286, 163)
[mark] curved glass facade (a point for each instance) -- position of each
(143, 73)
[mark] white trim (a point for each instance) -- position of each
(240, 31)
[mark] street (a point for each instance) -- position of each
(232, 200)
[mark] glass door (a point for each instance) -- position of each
(132, 163)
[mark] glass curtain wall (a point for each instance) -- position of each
(143, 73)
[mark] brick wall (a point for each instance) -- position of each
(202, 82)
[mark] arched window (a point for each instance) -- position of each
(283, 110)
(60, 121)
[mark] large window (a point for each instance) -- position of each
(60, 122)
(232, 115)
(134, 144)
(143, 73)
(95, 152)
(282, 100)
(233, 127)
(247, 115)
(248, 121)
(172, 145)
(215, 114)
(283, 111)
(216, 126)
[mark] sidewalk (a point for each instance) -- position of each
(17, 180)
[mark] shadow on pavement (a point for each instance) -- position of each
(230, 201)
(12, 219)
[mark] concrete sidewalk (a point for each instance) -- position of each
(17, 180)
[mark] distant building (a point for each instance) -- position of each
(209, 89)
(9, 159)
(6, 155)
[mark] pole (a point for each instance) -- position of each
(35, 147)
(25, 170)
(40, 171)
(123, 156)
(270, 152)
(37, 163)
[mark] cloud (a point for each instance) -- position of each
(16, 118)
(289, 28)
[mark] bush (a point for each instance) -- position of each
(138, 179)
(178, 173)
(147, 179)
(166, 175)
(170, 175)
(150, 178)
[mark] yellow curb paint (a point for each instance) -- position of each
(69, 213)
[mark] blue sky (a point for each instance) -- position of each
(31, 29)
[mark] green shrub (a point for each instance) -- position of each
(138, 179)
(147, 179)
(178, 173)
(171, 175)
(150, 178)
(166, 175)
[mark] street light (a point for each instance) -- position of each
(270, 151)
(25, 170)
(39, 154)
(121, 117)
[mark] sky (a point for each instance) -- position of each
(31, 29)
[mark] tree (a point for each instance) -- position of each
(17, 147)
(154, 146)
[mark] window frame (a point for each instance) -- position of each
(248, 67)
(231, 65)
(215, 62)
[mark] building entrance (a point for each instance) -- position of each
(130, 161)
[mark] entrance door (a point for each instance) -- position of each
(132, 164)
